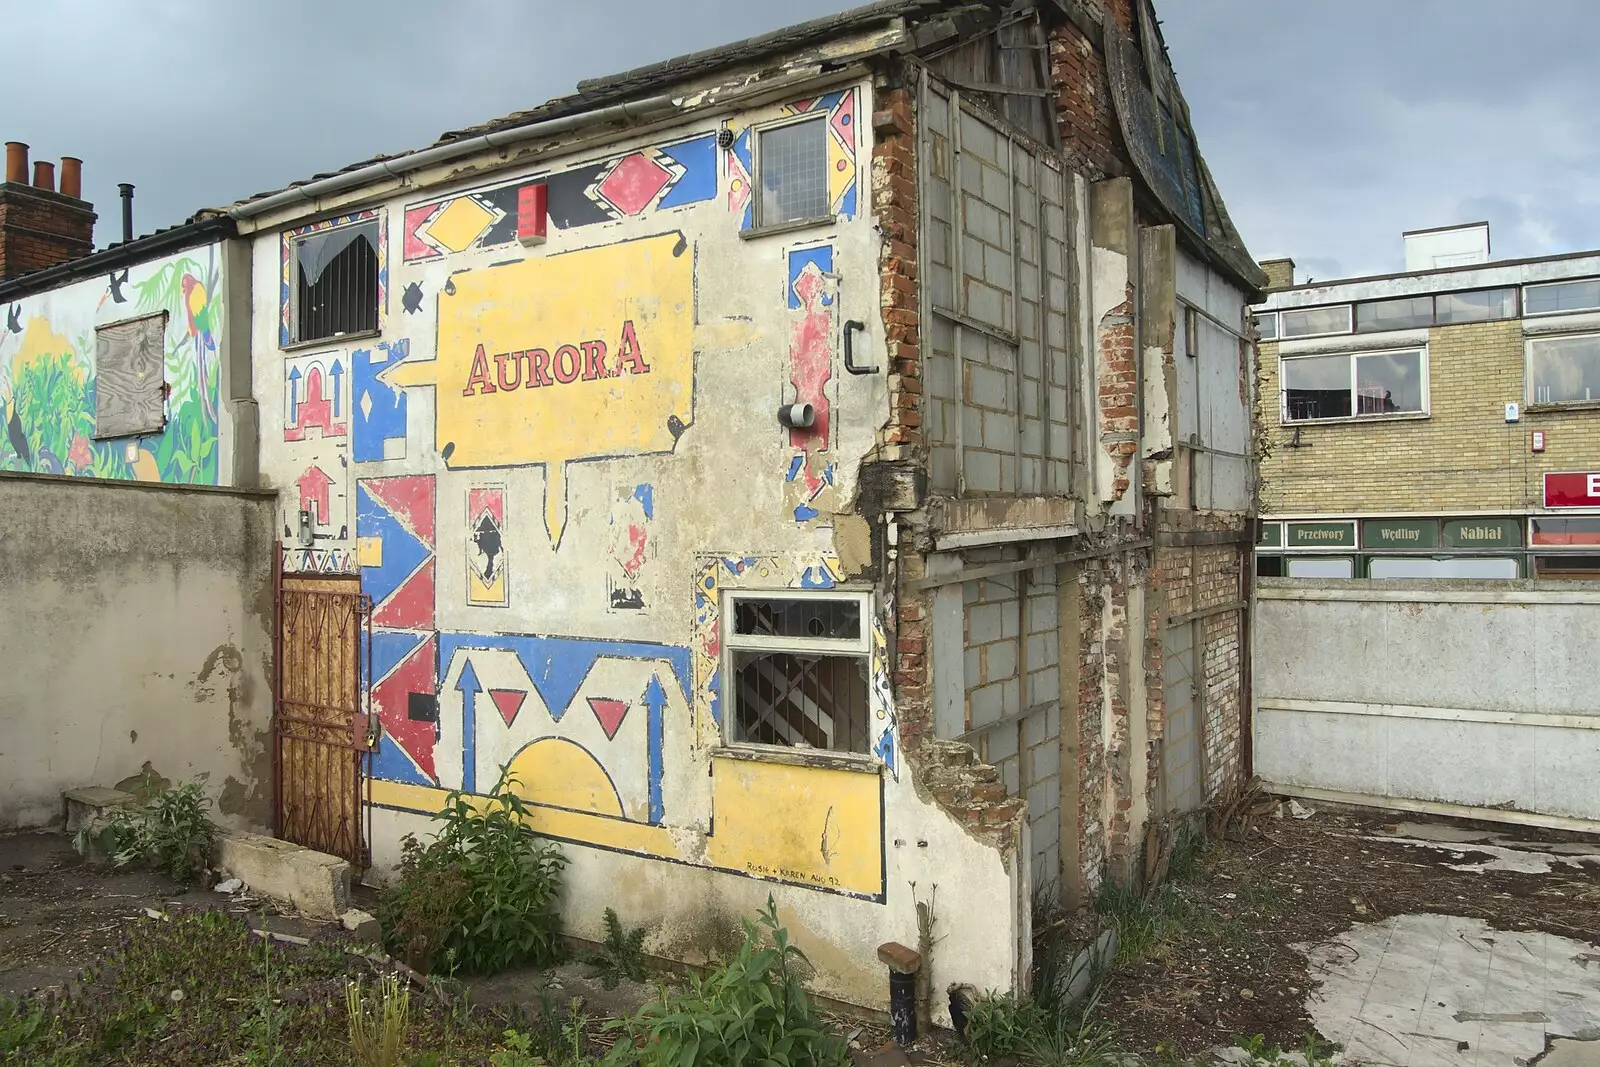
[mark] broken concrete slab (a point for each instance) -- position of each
(92, 803)
(362, 924)
(315, 882)
(1449, 991)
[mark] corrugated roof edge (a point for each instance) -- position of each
(201, 229)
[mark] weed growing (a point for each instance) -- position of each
(752, 1009)
(172, 833)
(482, 896)
(621, 954)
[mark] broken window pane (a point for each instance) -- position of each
(801, 701)
(336, 282)
(1565, 370)
(793, 161)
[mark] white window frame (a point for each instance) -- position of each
(757, 223)
(1349, 322)
(1263, 316)
(1559, 311)
(1393, 416)
(1527, 370)
(732, 642)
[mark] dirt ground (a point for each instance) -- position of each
(1225, 967)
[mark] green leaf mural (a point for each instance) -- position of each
(47, 384)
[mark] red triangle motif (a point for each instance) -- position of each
(409, 607)
(610, 713)
(509, 701)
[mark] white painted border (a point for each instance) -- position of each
(1388, 595)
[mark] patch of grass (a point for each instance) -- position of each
(1007, 1027)
(621, 954)
(378, 1023)
(202, 989)
(482, 897)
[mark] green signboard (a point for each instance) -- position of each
(1270, 535)
(1322, 535)
(1483, 533)
(1400, 533)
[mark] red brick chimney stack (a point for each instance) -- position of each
(39, 226)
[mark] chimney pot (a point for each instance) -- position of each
(17, 162)
(44, 175)
(72, 177)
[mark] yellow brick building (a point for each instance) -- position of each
(1409, 421)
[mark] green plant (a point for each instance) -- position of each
(621, 954)
(1001, 1026)
(378, 1028)
(172, 833)
(482, 896)
(752, 1009)
(517, 1053)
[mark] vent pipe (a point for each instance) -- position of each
(126, 189)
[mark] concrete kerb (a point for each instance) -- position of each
(314, 882)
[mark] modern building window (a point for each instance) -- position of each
(792, 161)
(1352, 386)
(1558, 297)
(335, 282)
(1564, 370)
(1566, 530)
(1480, 306)
(798, 670)
(1586, 568)
(1269, 566)
(1267, 325)
(1408, 312)
(1314, 322)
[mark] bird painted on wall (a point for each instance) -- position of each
(14, 434)
(197, 305)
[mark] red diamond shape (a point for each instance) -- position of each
(634, 183)
(610, 713)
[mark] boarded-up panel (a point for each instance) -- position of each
(130, 380)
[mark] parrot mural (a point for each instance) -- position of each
(197, 306)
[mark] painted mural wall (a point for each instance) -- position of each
(50, 382)
(548, 465)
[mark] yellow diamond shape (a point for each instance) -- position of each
(460, 224)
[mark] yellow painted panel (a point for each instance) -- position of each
(561, 358)
(807, 825)
(369, 551)
(460, 224)
(556, 771)
(598, 830)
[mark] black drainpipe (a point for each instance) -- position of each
(127, 211)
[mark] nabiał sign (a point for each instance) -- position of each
(560, 359)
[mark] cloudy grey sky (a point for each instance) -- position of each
(1330, 126)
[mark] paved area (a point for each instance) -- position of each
(1428, 990)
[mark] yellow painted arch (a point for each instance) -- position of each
(562, 774)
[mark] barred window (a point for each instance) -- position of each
(335, 282)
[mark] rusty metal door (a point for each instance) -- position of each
(320, 724)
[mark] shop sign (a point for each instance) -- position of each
(1322, 535)
(1483, 533)
(1400, 533)
(1572, 489)
(1270, 535)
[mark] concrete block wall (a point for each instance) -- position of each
(1462, 456)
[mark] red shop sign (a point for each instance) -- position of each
(1573, 489)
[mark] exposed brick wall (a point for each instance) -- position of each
(949, 772)
(40, 228)
(894, 171)
(1118, 382)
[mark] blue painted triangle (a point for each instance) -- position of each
(403, 553)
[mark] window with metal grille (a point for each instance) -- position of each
(792, 163)
(336, 282)
(797, 670)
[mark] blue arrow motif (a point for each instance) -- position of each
(655, 699)
(336, 372)
(470, 687)
(294, 396)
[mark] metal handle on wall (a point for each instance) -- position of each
(850, 328)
